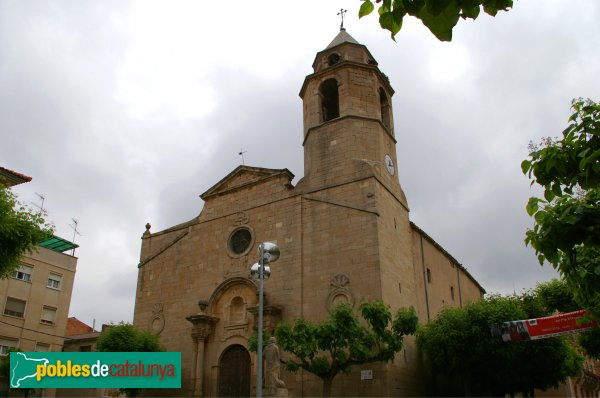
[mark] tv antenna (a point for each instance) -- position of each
(42, 198)
(74, 227)
(242, 152)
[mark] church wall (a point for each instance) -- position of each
(399, 288)
(339, 239)
(470, 291)
(445, 275)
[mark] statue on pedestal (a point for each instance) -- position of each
(273, 358)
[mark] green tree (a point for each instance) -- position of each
(590, 342)
(555, 295)
(126, 338)
(460, 346)
(566, 230)
(440, 16)
(342, 340)
(20, 230)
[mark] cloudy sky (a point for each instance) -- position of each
(123, 112)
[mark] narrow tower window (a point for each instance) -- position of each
(385, 109)
(330, 104)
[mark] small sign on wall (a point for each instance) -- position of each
(366, 374)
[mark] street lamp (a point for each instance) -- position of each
(268, 252)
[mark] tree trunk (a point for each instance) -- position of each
(327, 387)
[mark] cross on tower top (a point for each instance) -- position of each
(341, 14)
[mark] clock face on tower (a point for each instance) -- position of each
(389, 163)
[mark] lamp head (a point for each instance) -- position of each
(270, 252)
(255, 272)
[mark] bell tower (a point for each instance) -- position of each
(348, 118)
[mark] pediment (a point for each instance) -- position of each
(245, 177)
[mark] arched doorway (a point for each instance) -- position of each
(234, 372)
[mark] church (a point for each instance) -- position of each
(344, 233)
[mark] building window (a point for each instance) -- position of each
(41, 347)
(428, 275)
(85, 348)
(14, 307)
(240, 241)
(23, 273)
(48, 315)
(452, 292)
(333, 59)
(385, 109)
(330, 103)
(7, 345)
(54, 281)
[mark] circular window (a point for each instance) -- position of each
(240, 241)
(334, 59)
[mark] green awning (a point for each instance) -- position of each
(58, 244)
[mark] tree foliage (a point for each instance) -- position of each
(590, 342)
(566, 231)
(126, 338)
(555, 295)
(343, 340)
(459, 345)
(440, 16)
(20, 230)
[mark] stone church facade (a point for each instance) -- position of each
(344, 234)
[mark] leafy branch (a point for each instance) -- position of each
(566, 232)
(440, 16)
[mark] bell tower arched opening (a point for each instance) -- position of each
(330, 100)
(386, 112)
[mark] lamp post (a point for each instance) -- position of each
(268, 252)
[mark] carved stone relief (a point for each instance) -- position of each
(339, 292)
(240, 218)
(157, 322)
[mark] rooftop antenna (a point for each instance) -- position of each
(341, 14)
(75, 232)
(242, 152)
(42, 198)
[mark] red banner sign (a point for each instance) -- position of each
(542, 328)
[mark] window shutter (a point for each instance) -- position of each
(14, 307)
(48, 315)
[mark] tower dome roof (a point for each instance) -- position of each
(342, 37)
